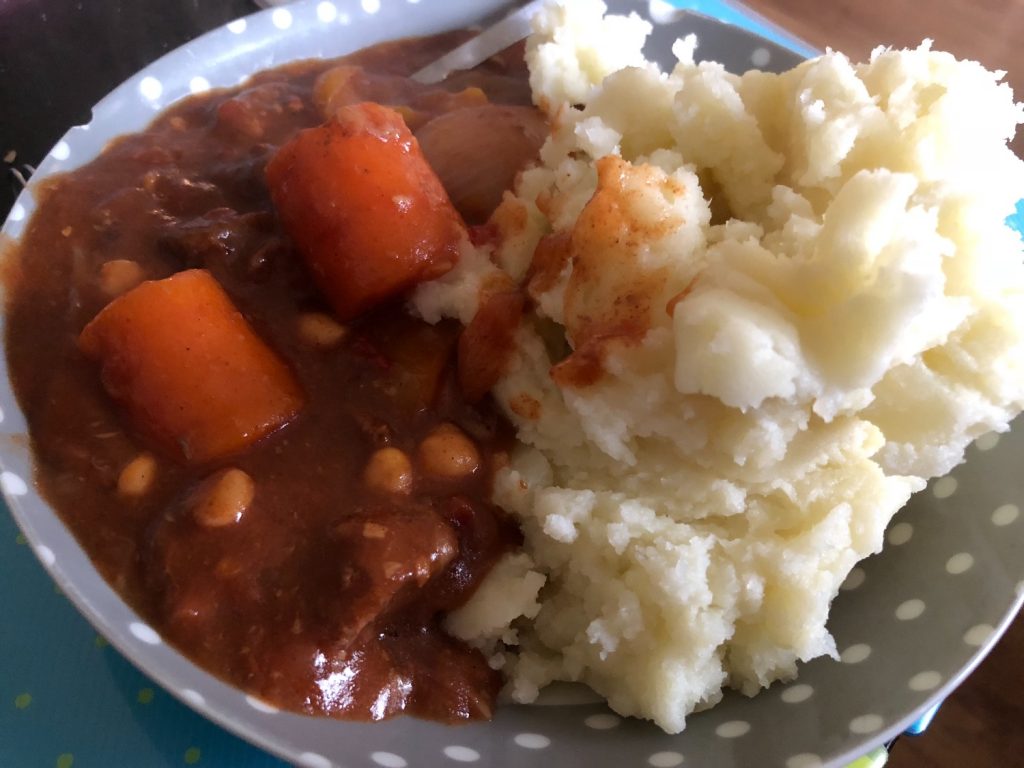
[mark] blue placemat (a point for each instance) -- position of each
(69, 700)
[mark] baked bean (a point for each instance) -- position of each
(137, 476)
(390, 471)
(448, 452)
(120, 276)
(319, 330)
(224, 498)
(374, 531)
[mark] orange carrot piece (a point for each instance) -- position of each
(368, 214)
(191, 373)
(420, 356)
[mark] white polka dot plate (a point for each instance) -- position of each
(909, 623)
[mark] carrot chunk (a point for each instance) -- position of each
(367, 212)
(191, 373)
(487, 344)
(420, 354)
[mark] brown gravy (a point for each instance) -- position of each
(326, 597)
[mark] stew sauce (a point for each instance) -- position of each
(313, 567)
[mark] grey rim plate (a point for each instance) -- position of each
(910, 624)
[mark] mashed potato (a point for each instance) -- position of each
(765, 309)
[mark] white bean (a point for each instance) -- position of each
(224, 498)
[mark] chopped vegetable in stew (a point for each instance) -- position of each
(277, 466)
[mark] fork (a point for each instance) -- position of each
(476, 50)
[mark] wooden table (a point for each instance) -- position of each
(980, 725)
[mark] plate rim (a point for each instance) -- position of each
(160, 672)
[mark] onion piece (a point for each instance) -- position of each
(477, 152)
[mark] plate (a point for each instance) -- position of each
(910, 623)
